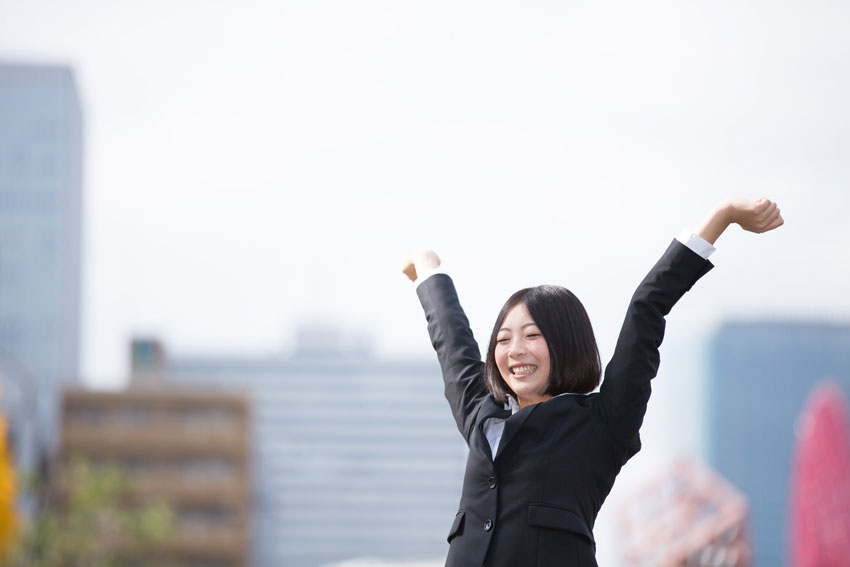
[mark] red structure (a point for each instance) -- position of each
(820, 489)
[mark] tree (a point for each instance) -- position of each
(90, 519)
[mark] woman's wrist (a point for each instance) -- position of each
(716, 222)
(726, 212)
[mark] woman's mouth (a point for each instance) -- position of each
(523, 370)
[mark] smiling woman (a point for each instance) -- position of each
(535, 319)
(543, 451)
(522, 357)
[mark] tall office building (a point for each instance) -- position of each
(40, 231)
(759, 378)
(354, 456)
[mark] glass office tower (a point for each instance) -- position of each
(41, 149)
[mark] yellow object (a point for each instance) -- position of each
(8, 497)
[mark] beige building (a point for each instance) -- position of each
(187, 447)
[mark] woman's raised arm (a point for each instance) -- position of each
(451, 337)
(760, 215)
(626, 389)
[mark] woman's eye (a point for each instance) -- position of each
(502, 340)
(532, 335)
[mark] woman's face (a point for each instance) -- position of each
(522, 356)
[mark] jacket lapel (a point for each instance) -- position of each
(489, 409)
(512, 425)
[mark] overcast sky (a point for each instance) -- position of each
(251, 166)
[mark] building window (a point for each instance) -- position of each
(134, 416)
(203, 518)
(88, 414)
(208, 420)
(207, 469)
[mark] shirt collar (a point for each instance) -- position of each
(513, 405)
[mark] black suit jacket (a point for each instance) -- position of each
(534, 503)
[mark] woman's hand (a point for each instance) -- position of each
(760, 215)
(418, 262)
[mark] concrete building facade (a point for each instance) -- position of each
(187, 448)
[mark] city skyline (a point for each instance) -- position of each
(254, 166)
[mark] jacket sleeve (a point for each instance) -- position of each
(626, 388)
(460, 359)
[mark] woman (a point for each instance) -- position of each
(543, 453)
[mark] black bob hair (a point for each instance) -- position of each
(574, 364)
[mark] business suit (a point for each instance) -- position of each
(535, 502)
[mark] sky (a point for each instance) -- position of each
(254, 166)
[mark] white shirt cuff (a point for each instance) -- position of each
(696, 243)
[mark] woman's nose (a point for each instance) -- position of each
(517, 350)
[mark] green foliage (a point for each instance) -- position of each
(94, 522)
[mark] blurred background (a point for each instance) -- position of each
(203, 211)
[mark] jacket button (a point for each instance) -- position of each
(488, 525)
(492, 481)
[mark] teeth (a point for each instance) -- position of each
(527, 369)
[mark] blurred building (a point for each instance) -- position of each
(381, 562)
(354, 456)
(188, 448)
(41, 147)
(820, 491)
(687, 516)
(760, 374)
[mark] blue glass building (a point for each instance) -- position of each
(41, 149)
